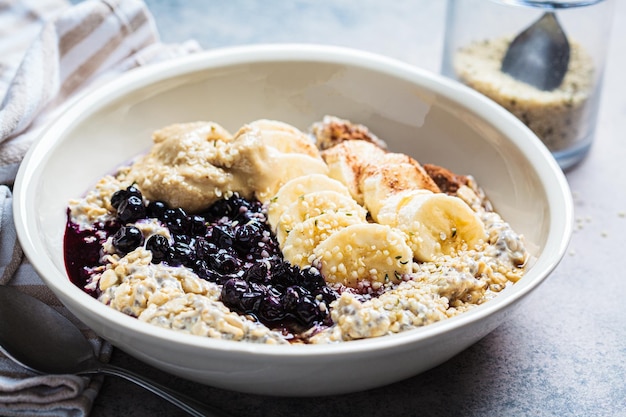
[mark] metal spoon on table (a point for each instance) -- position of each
(42, 340)
(539, 56)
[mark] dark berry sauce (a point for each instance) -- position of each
(229, 244)
(83, 250)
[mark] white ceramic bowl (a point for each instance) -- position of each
(429, 117)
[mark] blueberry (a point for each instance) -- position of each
(202, 269)
(248, 212)
(222, 236)
(248, 235)
(127, 239)
(131, 209)
(271, 309)
(122, 195)
(197, 225)
(235, 208)
(159, 246)
(283, 274)
(291, 298)
(312, 278)
(176, 220)
(225, 207)
(204, 249)
(271, 290)
(186, 239)
(268, 250)
(238, 295)
(223, 261)
(308, 311)
(328, 294)
(232, 292)
(250, 301)
(118, 197)
(156, 210)
(258, 272)
(181, 253)
(133, 190)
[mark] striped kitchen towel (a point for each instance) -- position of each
(50, 53)
(23, 393)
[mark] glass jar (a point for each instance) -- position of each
(478, 35)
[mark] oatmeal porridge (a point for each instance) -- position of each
(273, 235)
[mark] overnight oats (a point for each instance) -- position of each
(273, 235)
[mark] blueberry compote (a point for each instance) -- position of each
(230, 244)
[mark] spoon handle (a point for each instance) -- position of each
(185, 403)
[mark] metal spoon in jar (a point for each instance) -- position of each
(42, 340)
(539, 56)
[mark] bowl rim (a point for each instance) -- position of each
(552, 177)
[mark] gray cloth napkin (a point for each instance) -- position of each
(50, 53)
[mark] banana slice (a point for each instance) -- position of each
(364, 252)
(304, 237)
(388, 213)
(284, 137)
(315, 204)
(346, 161)
(286, 166)
(418, 176)
(269, 124)
(297, 187)
(379, 182)
(438, 224)
(290, 143)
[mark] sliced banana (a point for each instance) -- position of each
(380, 182)
(364, 252)
(269, 124)
(304, 237)
(438, 224)
(392, 174)
(417, 175)
(286, 166)
(284, 137)
(290, 143)
(315, 204)
(346, 161)
(297, 187)
(388, 213)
